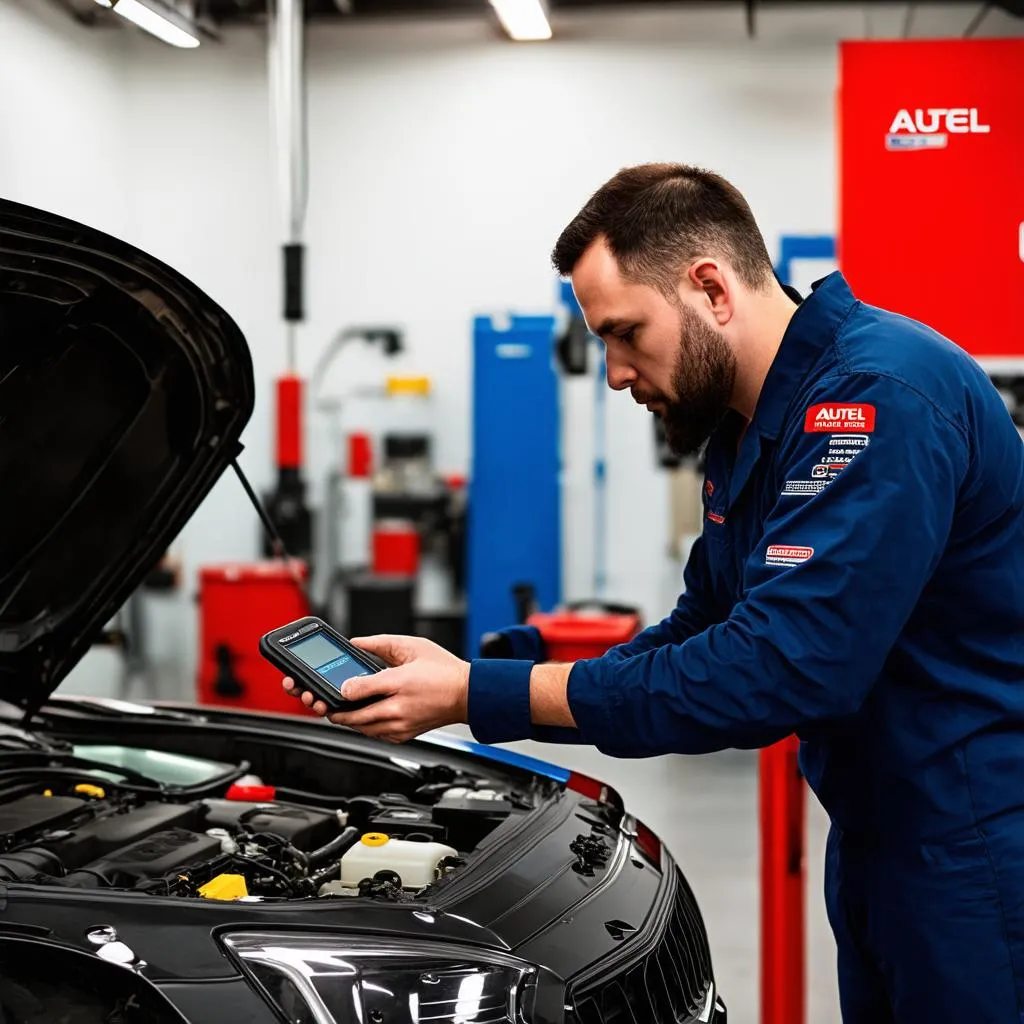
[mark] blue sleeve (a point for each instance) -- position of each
(826, 592)
(693, 613)
(499, 705)
(499, 687)
(499, 709)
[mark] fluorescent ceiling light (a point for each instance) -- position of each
(168, 26)
(523, 20)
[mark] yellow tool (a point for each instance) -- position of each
(224, 887)
(408, 386)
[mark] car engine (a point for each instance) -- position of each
(243, 843)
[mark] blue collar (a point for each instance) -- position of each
(812, 329)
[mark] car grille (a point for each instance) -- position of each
(669, 984)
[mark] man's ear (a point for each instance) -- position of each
(706, 275)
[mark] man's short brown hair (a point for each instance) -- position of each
(658, 217)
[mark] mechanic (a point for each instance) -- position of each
(859, 580)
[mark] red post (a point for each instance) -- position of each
(289, 423)
(783, 802)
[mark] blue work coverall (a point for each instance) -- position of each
(859, 581)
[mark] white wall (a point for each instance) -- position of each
(62, 146)
(444, 162)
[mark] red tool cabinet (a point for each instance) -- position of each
(238, 603)
(931, 185)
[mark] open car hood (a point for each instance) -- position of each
(123, 393)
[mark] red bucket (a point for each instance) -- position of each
(585, 630)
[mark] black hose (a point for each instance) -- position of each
(260, 866)
(327, 874)
(32, 860)
(86, 878)
(335, 848)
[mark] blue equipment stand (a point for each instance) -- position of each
(514, 513)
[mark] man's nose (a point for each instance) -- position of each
(620, 374)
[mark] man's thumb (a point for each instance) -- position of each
(379, 684)
(395, 650)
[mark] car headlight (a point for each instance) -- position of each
(341, 980)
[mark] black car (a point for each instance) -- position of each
(164, 864)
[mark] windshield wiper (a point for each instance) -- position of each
(18, 760)
(114, 708)
(13, 738)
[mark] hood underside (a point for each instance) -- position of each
(123, 393)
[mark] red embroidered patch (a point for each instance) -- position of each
(832, 418)
(786, 554)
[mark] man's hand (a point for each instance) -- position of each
(426, 689)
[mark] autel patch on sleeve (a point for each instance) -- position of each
(832, 418)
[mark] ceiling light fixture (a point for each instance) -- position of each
(523, 20)
(159, 19)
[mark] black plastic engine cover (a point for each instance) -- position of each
(468, 819)
(31, 814)
(399, 822)
(159, 855)
(304, 827)
(108, 834)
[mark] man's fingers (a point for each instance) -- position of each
(308, 699)
(377, 714)
(388, 729)
(396, 650)
(389, 732)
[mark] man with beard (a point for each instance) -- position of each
(858, 581)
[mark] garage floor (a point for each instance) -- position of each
(705, 810)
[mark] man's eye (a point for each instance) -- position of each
(628, 336)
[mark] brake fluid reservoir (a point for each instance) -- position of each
(415, 863)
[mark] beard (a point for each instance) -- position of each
(702, 382)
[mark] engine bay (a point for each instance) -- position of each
(225, 833)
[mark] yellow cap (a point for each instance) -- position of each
(87, 790)
(47, 792)
(374, 839)
(408, 385)
(224, 887)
